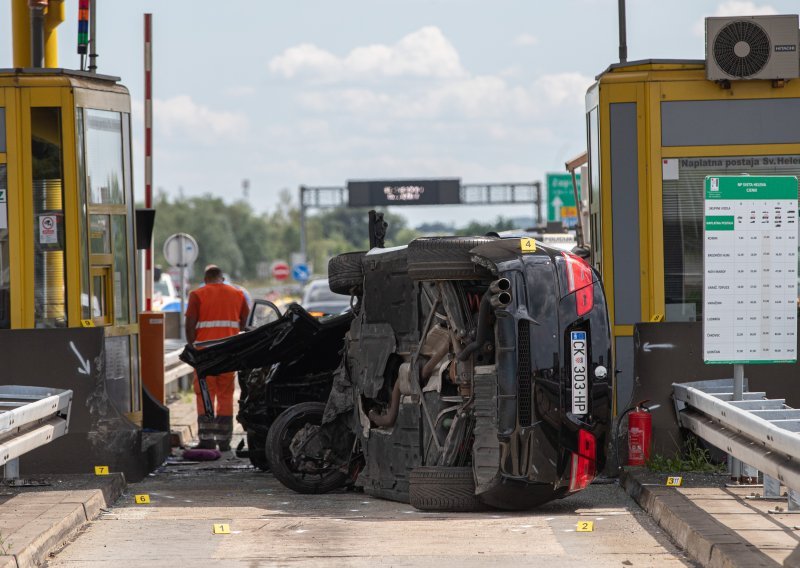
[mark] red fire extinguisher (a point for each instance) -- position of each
(640, 432)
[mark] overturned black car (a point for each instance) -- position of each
(469, 372)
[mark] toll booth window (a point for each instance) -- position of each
(49, 281)
(121, 300)
(80, 153)
(683, 204)
(104, 157)
(99, 234)
(5, 270)
(100, 295)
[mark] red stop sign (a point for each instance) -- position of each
(280, 270)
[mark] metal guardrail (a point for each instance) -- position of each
(762, 433)
(30, 417)
(174, 369)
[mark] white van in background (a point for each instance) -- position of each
(164, 292)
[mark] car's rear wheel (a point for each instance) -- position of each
(445, 258)
(434, 488)
(345, 273)
(304, 474)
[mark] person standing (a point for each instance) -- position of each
(215, 311)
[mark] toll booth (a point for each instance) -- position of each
(655, 129)
(68, 286)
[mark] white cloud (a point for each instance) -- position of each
(735, 8)
(479, 97)
(423, 53)
(526, 40)
(181, 116)
(564, 88)
(240, 91)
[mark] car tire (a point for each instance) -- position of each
(345, 273)
(445, 258)
(279, 455)
(434, 488)
(257, 450)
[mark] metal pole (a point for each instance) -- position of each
(148, 153)
(623, 41)
(738, 394)
(303, 223)
(11, 469)
(93, 36)
(37, 35)
(181, 320)
(578, 208)
(538, 211)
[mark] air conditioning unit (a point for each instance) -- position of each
(752, 47)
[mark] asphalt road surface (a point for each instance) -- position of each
(272, 526)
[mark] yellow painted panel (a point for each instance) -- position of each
(623, 330)
(24, 185)
(23, 80)
(45, 96)
(654, 303)
(71, 211)
(622, 93)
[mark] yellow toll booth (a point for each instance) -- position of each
(655, 130)
(67, 247)
(68, 273)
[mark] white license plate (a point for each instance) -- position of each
(580, 361)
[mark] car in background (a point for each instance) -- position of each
(165, 296)
(319, 300)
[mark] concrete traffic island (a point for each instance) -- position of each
(35, 521)
(717, 526)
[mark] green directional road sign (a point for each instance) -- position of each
(561, 198)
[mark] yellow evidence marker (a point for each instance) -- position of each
(676, 481)
(527, 245)
(585, 526)
(142, 499)
(222, 529)
(101, 470)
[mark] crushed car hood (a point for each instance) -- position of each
(294, 335)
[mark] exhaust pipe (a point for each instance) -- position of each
(500, 300)
(501, 293)
(500, 285)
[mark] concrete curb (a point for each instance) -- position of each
(705, 539)
(33, 524)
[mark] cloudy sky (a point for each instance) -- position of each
(316, 92)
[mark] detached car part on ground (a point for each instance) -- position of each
(474, 372)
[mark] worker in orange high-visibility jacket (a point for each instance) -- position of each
(216, 311)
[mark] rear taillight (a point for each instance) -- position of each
(583, 462)
(580, 281)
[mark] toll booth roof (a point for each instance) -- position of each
(653, 65)
(52, 72)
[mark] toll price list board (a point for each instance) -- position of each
(750, 269)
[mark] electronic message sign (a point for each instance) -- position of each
(376, 193)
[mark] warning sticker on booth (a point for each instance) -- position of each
(48, 229)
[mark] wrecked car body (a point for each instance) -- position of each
(274, 371)
(474, 373)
